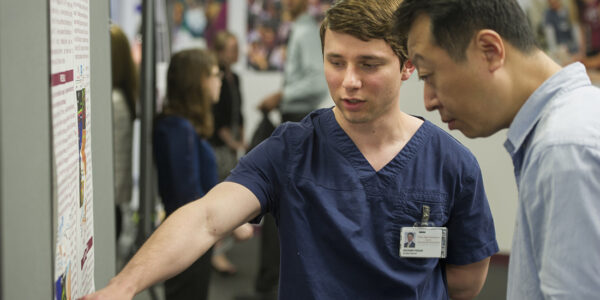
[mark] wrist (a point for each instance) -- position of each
(123, 287)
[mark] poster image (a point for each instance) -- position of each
(269, 25)
(196, 22)
(81, 134)
(63, 286)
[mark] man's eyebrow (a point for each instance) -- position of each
(370, 57)
(333, 55)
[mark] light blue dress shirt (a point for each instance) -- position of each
(554, 142)
(304, 85)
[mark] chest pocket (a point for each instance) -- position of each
(408, 210)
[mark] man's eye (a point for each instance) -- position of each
(424, 77)
(336, 63)
(369, 66)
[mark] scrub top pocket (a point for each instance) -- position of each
(408, 210)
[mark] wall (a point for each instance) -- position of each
(26, 209)
(25, 166)
(102, 143)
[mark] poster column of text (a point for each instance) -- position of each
(71, 128)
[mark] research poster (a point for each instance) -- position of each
(72, 156)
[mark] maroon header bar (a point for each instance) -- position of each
(62, 77)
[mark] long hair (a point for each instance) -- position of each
(186, 95)
(124, 71)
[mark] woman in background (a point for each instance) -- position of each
(124, 95)
(185, 161)
(228, 139)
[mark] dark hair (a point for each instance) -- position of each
(124, 71)
(411, 234)
(186, 97)
(221, 39)
(364, 20)
(454, 22)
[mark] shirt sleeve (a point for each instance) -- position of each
(566, 201)
(471, 232)
(177, 163)
(263, 171)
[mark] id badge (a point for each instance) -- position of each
(423, 240)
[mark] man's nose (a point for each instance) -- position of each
(351, 79)
(430, 98)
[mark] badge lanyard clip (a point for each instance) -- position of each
(426, 212)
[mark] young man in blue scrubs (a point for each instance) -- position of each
(483, 72)
(343, 185)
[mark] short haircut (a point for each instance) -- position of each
(186, 96)
(411, 234)
(365, 20)
(221, 39)
(455, 22)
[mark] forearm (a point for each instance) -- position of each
(187, 234)
(165, 253)
(465, 282)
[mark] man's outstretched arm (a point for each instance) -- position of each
(184, 236)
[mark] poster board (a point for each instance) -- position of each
(72, 156)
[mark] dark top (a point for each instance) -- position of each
(185, 162)
(228, 111)
(339, 220)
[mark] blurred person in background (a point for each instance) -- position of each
(185, 161)
(562, 34)
(228, 139)
(124, 98)
(589, 24)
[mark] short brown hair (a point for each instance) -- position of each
(365, 20)
(221, 39)
(186, 97)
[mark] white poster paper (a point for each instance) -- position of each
(71, 129)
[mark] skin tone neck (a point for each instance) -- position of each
(395, 127)
(526, 73)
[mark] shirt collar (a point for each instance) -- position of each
(570, 77)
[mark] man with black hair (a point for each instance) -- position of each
(483, 72)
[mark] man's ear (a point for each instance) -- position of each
(407, 70)
(490, 44)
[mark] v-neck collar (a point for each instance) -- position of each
(341, 141)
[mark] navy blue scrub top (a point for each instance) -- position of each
(339, 220)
